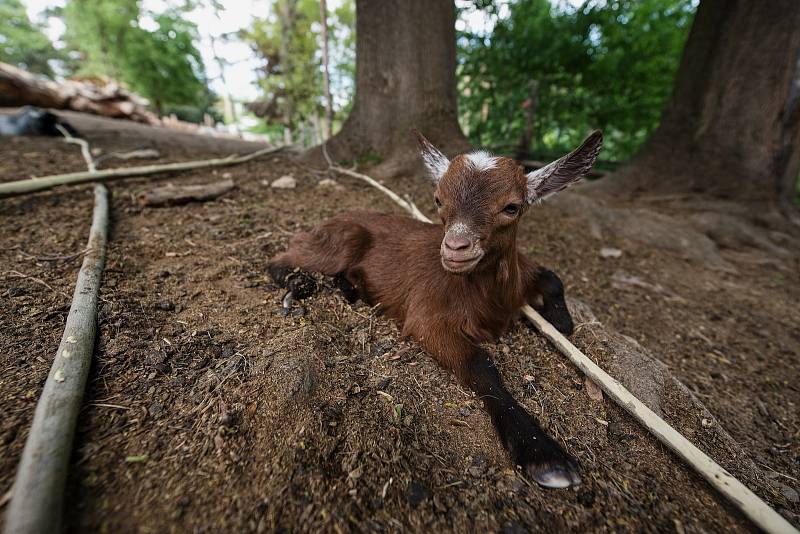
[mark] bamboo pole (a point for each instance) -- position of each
(38, 490)
(21, 187)
(750, 504)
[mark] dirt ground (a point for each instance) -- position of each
(209, 411)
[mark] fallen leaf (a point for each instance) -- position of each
(593, 390)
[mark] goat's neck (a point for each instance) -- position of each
(501, 269)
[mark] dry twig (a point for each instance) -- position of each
(21, 187)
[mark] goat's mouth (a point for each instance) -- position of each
(461, 265)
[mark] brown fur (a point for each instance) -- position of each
(398, 264)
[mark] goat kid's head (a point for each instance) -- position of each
(481, 197)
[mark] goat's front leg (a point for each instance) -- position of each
(541, 458)
(545, 293)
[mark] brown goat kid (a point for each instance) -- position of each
(459, 284)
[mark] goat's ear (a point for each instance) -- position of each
(436, 162)
(565, 171)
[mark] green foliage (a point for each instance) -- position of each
(23, 43)
(289, 42)
(154, 54)
(609, 65)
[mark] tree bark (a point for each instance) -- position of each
(732, 128)
(326, 78)
(405, 78)
(532, 104)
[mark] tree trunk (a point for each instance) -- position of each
(732, 128)
(524, 148)
(405, 78)
(326, 78)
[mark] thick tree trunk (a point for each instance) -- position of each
(732, 128)
(405, 78)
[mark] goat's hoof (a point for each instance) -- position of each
(301, 285)
(553, 475)
(563, 325)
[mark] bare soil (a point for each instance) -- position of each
(209, 411)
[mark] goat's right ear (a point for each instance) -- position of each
(565, 171)
(436, 162)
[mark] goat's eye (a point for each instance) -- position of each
(511, 209)
(438, 202)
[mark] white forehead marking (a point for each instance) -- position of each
(482, 160)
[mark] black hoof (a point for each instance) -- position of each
(348, 290)
(539, 456)
(558, 316)
(300, 284)
(554, 475)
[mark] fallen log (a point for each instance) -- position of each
(759, 512)
(38, 490)
(173, 195)
(21, 187)
(19, 88)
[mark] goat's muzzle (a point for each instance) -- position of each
(460, 250)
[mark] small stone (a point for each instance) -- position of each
(586, 498)
(478, 467)
(284, 182)
(416, 494)
(166, 305)
(382, 347)
(790, 494)
(609, 252)
(330, 183)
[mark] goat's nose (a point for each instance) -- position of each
(457, 242)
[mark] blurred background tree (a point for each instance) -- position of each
(24, 43)
(153, 53)
(289, 41)
(606, 65)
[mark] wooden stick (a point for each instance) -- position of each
(86, 151)
(403, 203)
(750, 504)
(21, 187)
(38, 491)
(172, 194)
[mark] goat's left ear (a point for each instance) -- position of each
(436, 162)
(565, 171)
